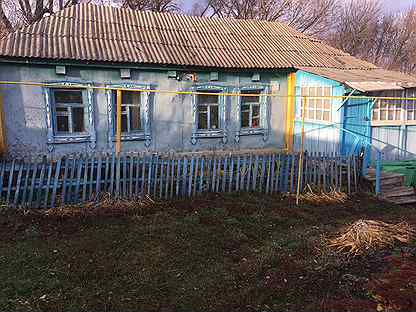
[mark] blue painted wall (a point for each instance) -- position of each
(319, 136)
(172, 120)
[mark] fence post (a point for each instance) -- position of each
(378, 173)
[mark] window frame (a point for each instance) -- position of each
(145, 134)
(406, 107)
(264, 118)
(221, 131)
(53, 136)
(322, 110)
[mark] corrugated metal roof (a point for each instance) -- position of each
(366, 80)
(88, 32)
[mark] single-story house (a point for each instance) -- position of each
(204, 84)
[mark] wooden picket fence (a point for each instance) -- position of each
(70, 180)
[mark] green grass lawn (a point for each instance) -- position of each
(241, 252)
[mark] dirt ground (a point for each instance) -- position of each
(234, 252)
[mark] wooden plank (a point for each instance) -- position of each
(349, 174)
(191, 175)
(18, 182)
(26, 184)
(56, 181)
(3, 170)
(218, 179)
(201, 175)
(214, 175)
(136, 159)
(48, 184)
(98, 178)
(272, 173)
(107, 169)
(143, 183)
(130, 163)
(118, 176)
(269, 173)
(168, 163)
(195, 186)
(249, 171)
(224, 175)
(80, 165)
(112, 174)
(32, 184)
(255, 173)
(237, 181)
(209, 174)
(10, 183)
(275, 187)
(243, 175)
(124, 179)
(149, 172)
(263, 173)
(184, 176)
(161, 176)
(93, 173)
(40, 185)
(85, 179)
(64, 182)
(156, 165)
(178, 174)
(172, 178)
(231, 175)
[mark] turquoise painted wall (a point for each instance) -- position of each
(319, 136)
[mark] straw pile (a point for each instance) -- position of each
(320, 197)
(365, 235)
(104, 204)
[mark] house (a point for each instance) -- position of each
(185, 84)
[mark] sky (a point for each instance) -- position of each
(393, 5)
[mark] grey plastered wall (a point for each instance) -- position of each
(25, 112)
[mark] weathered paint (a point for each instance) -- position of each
(321, 137)
(171, 114)
(357, 123)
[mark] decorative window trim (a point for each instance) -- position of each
(264, 128)
(221, 132)
(145, 111)
(52, 137)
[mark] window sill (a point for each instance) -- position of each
(138, 136)
(62, 139)
(251, 131)
(393, 123)
(209, 134)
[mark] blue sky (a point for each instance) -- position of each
(394, 5)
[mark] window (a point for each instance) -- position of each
(208, 111)
(135, 112)
(250, 109)
(316, 108)
(387, 110)
(131, 120)
(253, 112)
(69, 111)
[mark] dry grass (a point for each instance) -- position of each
(321, 197)
(102, 205)
(365, 235)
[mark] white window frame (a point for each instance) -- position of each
(315, 110)
(53, 136)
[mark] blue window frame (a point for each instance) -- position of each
(69, 113)
(253, 112)
(209, 113)
(135, 112)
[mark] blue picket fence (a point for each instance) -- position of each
(72, 180)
